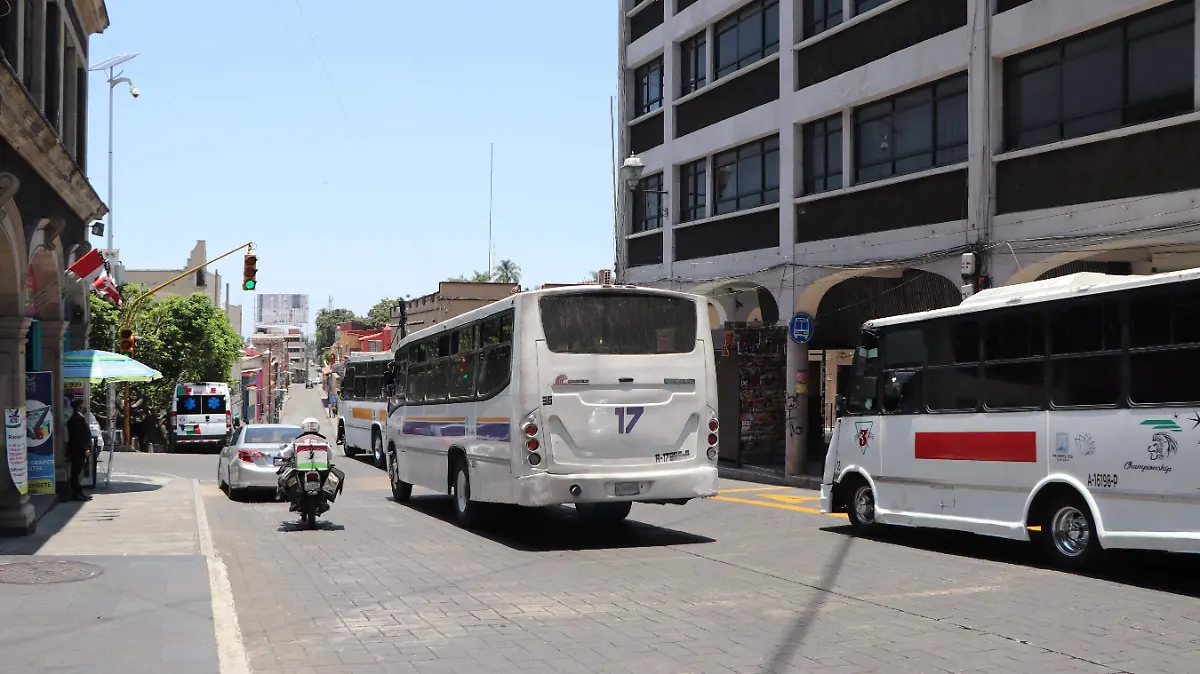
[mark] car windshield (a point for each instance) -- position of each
(274, 435)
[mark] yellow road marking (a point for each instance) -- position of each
(734, 491)
(781, 506)
(789, 498)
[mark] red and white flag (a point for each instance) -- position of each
(89, 267)
(105, 287)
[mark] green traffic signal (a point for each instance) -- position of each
(248, 285)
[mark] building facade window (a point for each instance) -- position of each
(821, 15)
(647, 204)
(747, 176)
(1127, 72)
(823, 155)
(648, 87)
(693, 63)
(693, 197)
(748, 35)
(861, 6)
(912, 131)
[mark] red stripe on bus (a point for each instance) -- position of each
(1007, 446)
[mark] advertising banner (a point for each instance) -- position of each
(72, 391)
(39, 431)
(14, 443)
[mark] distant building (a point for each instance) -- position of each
(280, 309)
(202, 281)
(356, 336)
(453, 298)
(293, 343)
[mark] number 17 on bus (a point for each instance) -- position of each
(634, 414)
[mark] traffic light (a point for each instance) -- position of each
(249, 271)
(127, 340)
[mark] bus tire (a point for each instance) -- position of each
(860, 505)
(377, 449)
(603, 514)
(466, 510)
(349, 451)
(401, 491)
(1069, 538)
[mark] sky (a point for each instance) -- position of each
(349, 140)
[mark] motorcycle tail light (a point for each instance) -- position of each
(312, 476)
(249, 455)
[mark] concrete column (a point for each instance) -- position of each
(16, 512)
(980, 130)
(53, 333)
(671, 186)
(789, 148)
(796, 408)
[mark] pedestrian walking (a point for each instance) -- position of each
(79, 440)
(325, 401)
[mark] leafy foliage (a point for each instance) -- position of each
(327, 322)
(186, 339)
(507, 272)
(381, 314)
(475, 277)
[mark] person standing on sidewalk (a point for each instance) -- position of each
(79, 440)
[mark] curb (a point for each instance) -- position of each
(773, 479)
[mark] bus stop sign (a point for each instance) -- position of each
(800, 328)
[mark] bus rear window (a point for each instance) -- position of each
(201, 404)
(618, 323)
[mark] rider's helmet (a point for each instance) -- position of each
(310, 425)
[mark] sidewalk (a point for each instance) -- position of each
(117, 584)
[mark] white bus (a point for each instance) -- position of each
(1061, 410)
(362, 405)
(597, 396)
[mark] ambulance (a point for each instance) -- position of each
(201, 416)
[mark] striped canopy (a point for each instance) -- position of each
(98, 366)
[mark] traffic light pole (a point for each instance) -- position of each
(129, 314)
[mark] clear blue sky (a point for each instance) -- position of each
(238, 135)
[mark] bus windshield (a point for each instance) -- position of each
(618, 323)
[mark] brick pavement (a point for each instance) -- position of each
(712, 587)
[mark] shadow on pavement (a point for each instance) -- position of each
(1162, 571)
(296, 526)
(556, 528)
(123, 487)
(61, 513)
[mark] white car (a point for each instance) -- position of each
(248, 462)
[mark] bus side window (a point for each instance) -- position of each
(864, 378)
(400, 376)
(348, 383)
(904, 353)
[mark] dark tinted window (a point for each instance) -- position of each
(821, 15)
(416, 383)
(1128, 72)
(693, 178)
(747, 176)
(746, 36)
(648, 87)
(618, 323)
(953, 341)
(1015, 335)
(495, 370)
(188, 405)
(912, 131)
(1086, 381)
(1158, 376)
(1080, 328)
(1014, 385)
(952, 388)
(693, 65)
(214, 404)
(823, 155)
(904, 347)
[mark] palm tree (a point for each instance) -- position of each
(507, 272)
(475, 277)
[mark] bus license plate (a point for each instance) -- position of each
(626, 489)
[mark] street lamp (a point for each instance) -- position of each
(631, 175)
(113, 81)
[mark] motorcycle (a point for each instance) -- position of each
(307, 480)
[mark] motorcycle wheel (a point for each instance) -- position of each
(310, 518)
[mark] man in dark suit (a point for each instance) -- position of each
(79, 442)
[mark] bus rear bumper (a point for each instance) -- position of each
(545, 489)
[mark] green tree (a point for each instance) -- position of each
(381, 314)
(475, 277)
(507, 272)
(592, 277)
(327, 322)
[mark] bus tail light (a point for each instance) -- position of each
(530, 430)
(712, 425)
(534, 458)
(532, 444)
(712, 439)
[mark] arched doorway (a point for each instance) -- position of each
(44, 353)
(16, 513)
(840, 304)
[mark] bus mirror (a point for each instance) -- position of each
(839, 405)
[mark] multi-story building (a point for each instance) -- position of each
(280, 309)
(46, 207)
(293, 343)
(838, 158)
(202, 281)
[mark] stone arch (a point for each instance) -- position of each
(12, 258)
(1140, 255)
(844, 301)
(46, 267)
(739, 301)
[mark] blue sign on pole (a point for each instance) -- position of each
(801, 328)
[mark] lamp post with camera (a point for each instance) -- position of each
(631, 176)
(114, 78)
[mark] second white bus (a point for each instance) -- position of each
(596, 396)
(362, 405)
(1061, 410)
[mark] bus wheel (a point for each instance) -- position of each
(377, 450)
(861, 506)
(401, 491)
(1069, 539)
(603, 513)
(466, 511)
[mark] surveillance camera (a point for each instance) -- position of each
(135, 91)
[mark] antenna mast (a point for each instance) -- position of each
(491, 173)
